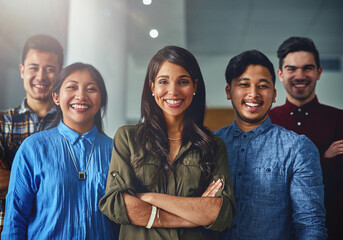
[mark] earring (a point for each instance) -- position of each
(194, 94)
(153, 94)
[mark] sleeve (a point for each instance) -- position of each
(228, 208)
(21, 195)
(120, 179)
(307, 192)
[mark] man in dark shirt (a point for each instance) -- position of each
(299, 70)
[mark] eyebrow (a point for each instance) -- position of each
(248, 79)
(36, 65)
(74, 81)
(167, 76)
(307, 65)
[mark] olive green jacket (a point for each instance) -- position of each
(122, 177)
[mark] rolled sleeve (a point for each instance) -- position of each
(119, 180)
(307, 192)
(228, 209)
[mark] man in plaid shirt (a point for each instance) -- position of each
(42, 60)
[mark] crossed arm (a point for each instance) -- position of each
(174, 211)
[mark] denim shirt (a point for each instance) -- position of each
(277, 183)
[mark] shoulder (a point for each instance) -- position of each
(128, 130)
(329, 109)
(9, 114)
(223, 132)
(104, 140)
(43, 136)
(276, 111)
(286, 137)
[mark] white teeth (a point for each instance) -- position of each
(173, 101)
(252, 104)
(39, 86)
(300, 85)
(77, 106)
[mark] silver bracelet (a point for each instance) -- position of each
(152, 217)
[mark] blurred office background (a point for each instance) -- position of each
(115, 36)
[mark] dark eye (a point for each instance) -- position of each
(291, 69)
(33, 69)
(308, 68)
(50, 69)
(91, 89)
(71, 87)
(263, 86)
(184, 82)
(244, 85)
(162, 81)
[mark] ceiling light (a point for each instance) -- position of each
(153, 33)
(146, 2)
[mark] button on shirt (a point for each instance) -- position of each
(46, 200)
(277, 184)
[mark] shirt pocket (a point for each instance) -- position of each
(147, 173)
(188, 174)
(270, 184)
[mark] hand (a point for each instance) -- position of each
(335, 149)
(213, 188)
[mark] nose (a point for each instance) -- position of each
(253, 91)
(173, 89)
(41, 74)
(299, 73)
(81, 95)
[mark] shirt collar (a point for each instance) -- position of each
(308, 106)
(24, 108)
(73, 136)
(257, 131)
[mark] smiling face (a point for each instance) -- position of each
(173, 89)
(299, 76)
(252, 95)
(79, 99)
(39, 72)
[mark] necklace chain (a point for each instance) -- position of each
(174, 139)
(82, 175)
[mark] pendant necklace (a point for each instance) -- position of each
(82, 175)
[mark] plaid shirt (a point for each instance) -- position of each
(16, 124)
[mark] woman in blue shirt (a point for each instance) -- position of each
(59, 175)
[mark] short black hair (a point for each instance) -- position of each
(296, 44)
(239, 63)
(44, 43)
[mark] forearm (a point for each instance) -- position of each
(198, 210)
(4, 181)
(139, 213)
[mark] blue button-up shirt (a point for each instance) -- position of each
(277, 183)
(46, 199)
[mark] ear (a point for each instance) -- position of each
(56, 98)
(280, 74)
(227, 90)
(320, 70)
(152, 86)
(274, 96)
(21, 68)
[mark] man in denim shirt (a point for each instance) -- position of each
(276, 173)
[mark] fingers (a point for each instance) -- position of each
(213, 188)
(335, 149)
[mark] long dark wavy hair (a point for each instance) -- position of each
(154, 128)
(97, 78)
